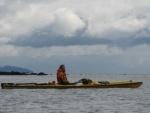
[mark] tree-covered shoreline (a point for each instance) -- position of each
(20, 73)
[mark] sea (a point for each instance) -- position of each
(109, 100)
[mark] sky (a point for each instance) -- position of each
(87, 36)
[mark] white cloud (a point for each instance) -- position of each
(65, 18)
(124, 17)
(66, 23)
(24, 21)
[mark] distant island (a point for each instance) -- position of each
(15, 69)
(12, 70)
(20, 73)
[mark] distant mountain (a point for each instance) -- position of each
(15, 69)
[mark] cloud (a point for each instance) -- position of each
(99, 19)
(129, 57)
(49, 52)
(4, 40)
(56, 23)
(22, 19)
(106, 30)
(66, 23)
(9, 51)
(42, 40)
(87, 59)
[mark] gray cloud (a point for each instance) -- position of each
(48, 23)
(119, 39)
(100, 30)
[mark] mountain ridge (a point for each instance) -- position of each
(15, 69)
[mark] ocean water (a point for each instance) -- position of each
(111, 100)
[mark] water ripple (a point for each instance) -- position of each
(75, 100)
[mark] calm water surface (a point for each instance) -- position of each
(109, 100)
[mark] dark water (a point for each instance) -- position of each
(109, 100)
